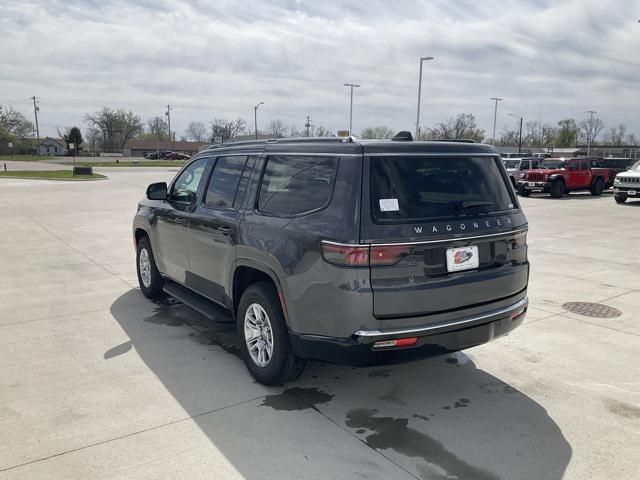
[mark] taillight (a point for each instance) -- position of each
(363, 256)
(346, 255)
(387, 254)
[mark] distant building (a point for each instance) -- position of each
(567, 152)
(52, 146)
(138, 148)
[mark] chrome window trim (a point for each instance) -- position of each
(445, 240)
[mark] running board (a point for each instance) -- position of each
(200, 304)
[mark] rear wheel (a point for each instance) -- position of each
(557, 189)
(597, 187)
(620, 198)
(149, 278)
(263, 337)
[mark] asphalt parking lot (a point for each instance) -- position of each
(98, 382)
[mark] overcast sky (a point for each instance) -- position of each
(212, 59)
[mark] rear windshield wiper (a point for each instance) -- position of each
(464, 205)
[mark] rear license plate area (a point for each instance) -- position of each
(462, 258)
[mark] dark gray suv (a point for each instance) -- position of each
(340, 250)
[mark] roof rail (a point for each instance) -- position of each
(269, 141)
(455, 140)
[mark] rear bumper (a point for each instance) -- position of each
(435, 339)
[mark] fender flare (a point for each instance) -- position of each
(554, 177)
(246, 262)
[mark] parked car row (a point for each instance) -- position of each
(558, 176)
(166, 155)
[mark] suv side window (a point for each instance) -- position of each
(225, 178)
(572, 167)
(186, 185)
(535, 164)
(293, 185)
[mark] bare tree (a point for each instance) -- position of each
(379, 132)
(508, 137)
(589, 129)
(116, 127)
(197, 131)
(294, 132)
(226, 130)
(321, 131)
(157, 128)
(617, 135)
(276, 129)
(462, 127)
(538, 134)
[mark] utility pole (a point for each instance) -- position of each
(35, 112)
(520, 137)
(591, 112)
(351, 86)
(255, 117)
(168, 115)
(495, 117)
(307, 126)
(519, 131)
(422, 59)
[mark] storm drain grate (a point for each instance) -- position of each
(595, 310)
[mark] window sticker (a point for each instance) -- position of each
(389, 205)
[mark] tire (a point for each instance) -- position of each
(597, 187)
(557, 189)
(260, 308)
(149, 278)
(620, 198)
(523, 192)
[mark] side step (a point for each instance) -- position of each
(200, 304)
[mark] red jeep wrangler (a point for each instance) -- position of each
(558, 176)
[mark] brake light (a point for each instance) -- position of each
(363, 256)
(346, 255)
(387, 254)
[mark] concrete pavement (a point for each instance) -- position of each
(98, 382)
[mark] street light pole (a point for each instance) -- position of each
(255, 117)
(351, 85)
(590, 131)
(168, 115)
(495, 117)
(422, 59)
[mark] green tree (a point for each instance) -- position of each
(567, 133)
(74, 136)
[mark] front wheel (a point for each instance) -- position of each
(149, 277)
(620, 198)
(557, 189)
(597, 187)
(523, 192)
(263, 337)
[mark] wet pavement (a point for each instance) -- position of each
(98, 382)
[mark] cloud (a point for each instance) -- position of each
(217, 59)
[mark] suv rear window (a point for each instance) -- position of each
(413, 189)
(292, 185)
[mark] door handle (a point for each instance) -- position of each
(225, 230)
(180, 220)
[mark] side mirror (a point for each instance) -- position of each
(157, 191)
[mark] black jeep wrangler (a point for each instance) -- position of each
(340, 250)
